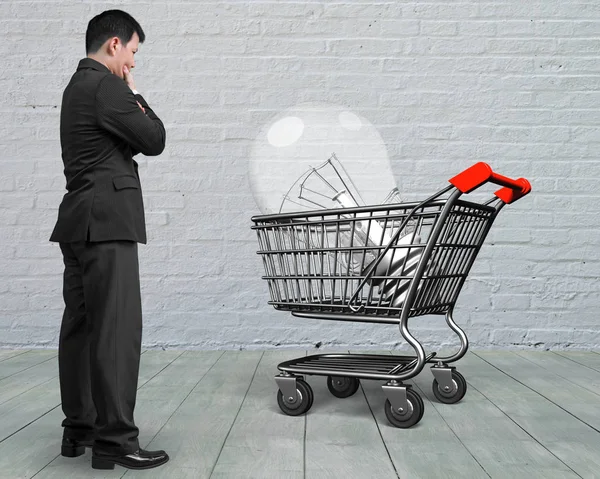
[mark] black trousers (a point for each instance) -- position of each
(100, 343)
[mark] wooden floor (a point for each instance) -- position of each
(525, 415)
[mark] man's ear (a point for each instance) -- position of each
(112, 46)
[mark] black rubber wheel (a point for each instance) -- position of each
(422, 406)
(312, 397)
(342, 387)
(303, 401)
(409, 418)
(454, 396)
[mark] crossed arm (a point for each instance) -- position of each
(119, 113)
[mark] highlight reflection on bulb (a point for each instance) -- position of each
(303, 137)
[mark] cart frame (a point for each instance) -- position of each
(404, 407)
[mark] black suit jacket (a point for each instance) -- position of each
(101, 129)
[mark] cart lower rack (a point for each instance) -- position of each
(379, 264)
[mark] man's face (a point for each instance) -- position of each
(123, 55)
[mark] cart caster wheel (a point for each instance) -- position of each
(342, 387)
(311, 395)
(302, 403)
(409, 418)
(454, 396)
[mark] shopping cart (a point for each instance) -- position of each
(310, 258)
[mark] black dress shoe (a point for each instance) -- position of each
(74, 447)
(139, 459)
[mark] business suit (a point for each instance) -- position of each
(100, 221)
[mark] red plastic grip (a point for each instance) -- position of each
(480, 173)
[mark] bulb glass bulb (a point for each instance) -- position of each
(323, 156)
(303, 137)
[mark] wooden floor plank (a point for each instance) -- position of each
(489, 436)
(26, 379)
(263, 442)
(153, 362)
(545, 422)
(36, 442)
(412, 451)
(18, 412)
(213, 418)
(22, 362)
(21, 382)
(11, 353)
(157, 401)
(579, 401)
(342, 437)
(486, 432)
(30, 450)
(33, 402)
(566, 369)
(589, 359)
(415, 452)
(195, 433)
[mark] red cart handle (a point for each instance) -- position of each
(480, 173)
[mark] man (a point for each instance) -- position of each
(104, 122)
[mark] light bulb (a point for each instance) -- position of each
(303, 137)
(322, 156)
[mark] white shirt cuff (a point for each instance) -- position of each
(135, 92)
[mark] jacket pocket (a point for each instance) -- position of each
(126, 181)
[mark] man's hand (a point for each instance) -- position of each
(128, 77)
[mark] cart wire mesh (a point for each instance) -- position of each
(315, 261)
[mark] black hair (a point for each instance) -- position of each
(108, 24)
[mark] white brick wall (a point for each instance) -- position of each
(512, 83)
